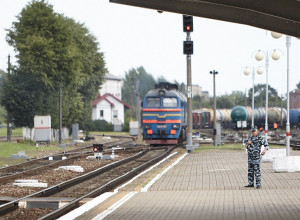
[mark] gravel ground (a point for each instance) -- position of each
(53, 177)
(60, 175)
(25, 214)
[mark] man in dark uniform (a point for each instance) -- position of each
(253, 146)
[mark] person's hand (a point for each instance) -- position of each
(263, 153)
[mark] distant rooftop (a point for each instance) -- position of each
(112, 77)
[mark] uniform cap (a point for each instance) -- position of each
(253, 128)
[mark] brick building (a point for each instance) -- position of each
(295, 99)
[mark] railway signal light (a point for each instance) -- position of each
(187, 23)
(98, 148)
(188, 47)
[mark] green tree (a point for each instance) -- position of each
(260, 96)
(145, 83)
(224, 101)
(196, 102)
(298, 85)
(238, 98)
(53, 52)
(161, 79)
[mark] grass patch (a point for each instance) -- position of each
(9, 148)
(109, 133)
(15, 132)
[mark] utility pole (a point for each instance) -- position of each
(8, 114)
(215, 106)
(137, 102)
(132, 95)
(60, 116)
(188, 50)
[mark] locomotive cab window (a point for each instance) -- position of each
(170, 102)
(153, 102)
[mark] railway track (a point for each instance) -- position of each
(93, 183)
(238, 137)
(33, 166)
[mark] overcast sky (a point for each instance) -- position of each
(131, 37)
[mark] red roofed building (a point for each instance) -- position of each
(108, 106)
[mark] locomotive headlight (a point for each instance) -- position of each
(146, 126)
(175, 126)
(161, 92)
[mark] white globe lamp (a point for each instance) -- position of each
(276, 35)
(259, 56)
(260, 71)
(246, 71)
(275, 55)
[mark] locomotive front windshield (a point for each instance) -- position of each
(153, 102)
(169, 102)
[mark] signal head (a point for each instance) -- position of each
(187, 23)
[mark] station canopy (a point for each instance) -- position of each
(281, 16)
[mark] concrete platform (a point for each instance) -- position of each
(207, 185)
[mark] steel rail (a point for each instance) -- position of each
(28, 163)
(105, 188)
(7, 207)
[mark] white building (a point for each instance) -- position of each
(109, 108)
(112, 85)
(197, 90)
(108, 105)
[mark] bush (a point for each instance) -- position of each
(102, 125)
(126, 125)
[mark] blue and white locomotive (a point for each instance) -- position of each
(164, 115)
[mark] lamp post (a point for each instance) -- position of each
(247, 72)
(215, 105)
(288, 45)
(259, 57)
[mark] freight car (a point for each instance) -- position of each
(164, 115)
(275, 115)
(203, 118)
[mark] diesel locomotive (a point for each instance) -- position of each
(164, 115)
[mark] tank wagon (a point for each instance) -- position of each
(275, 115)
(203, 118)
(164, 115)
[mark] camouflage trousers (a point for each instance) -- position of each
(254, 170)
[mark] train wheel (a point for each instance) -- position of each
(182, 136)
